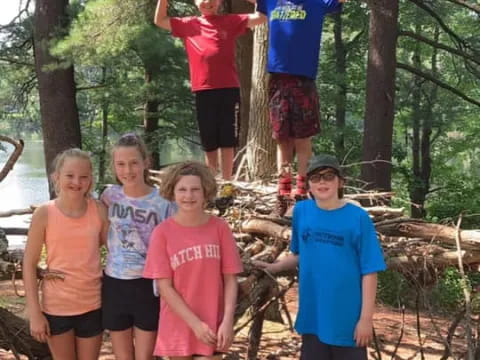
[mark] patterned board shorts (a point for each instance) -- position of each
(294, 107)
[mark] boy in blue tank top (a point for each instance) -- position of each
(335, 245)
(295, 31)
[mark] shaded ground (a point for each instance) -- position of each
(278, 343)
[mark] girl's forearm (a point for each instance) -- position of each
(31, 288)
(230, 296)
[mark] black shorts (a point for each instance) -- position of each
(84, 325)
(128, 303)
(218, 117)
(314, 349)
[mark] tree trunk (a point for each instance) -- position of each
(150, 121)
(341, 98)
(261, 149)
(422, 161)
(103, 152)
(56, 84)
(415, 183)
(379, 109)
(244, 57)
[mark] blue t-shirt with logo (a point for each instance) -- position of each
(335, 248)
(295, 32)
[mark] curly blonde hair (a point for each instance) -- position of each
(195, 168)
(59, 161)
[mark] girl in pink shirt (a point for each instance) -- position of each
(72, 228)
(194, 259)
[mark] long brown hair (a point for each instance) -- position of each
(132, 140)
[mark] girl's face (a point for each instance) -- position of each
(74, 178)
(129, 166)
(189, 194)
(324, 185)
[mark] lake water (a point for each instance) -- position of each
(25, 185)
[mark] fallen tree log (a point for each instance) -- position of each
(16, 231)
(26, 211)
(470, 239)
(266, 227)
(444, 259)
(15, 336)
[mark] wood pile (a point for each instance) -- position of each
(411, 247)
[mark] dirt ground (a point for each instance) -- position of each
(279, 343)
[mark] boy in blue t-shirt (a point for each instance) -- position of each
(335, 245)
(295, 31)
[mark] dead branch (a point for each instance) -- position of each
(13, 156)
(26, 211)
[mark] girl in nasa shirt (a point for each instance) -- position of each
(194, 259)
(130, 308)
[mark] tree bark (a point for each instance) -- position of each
(379, 109)
(341, 98)
(415, 182)
(150, 119)
(261, 149)
(244, 57)
(56, 84)
(422, 168)
(14, 335)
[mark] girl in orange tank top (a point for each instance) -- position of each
(72, 228)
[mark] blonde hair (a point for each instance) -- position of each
(59, 161)
(132, 140)
(195, 168)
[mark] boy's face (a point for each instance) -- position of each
(208, 7)
(324, 184)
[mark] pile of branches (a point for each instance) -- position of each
(412, 247)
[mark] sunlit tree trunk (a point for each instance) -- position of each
(261, 148)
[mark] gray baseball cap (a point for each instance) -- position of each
(324, 161)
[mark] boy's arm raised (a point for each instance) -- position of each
(161, 18)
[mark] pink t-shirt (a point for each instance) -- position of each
(195, 258)
(210, 45)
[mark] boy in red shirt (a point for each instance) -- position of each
(210, 44)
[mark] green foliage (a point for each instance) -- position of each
(447, 294)
(392, 288)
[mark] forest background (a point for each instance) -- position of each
(398, 83)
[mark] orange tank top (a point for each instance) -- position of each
(73, 247)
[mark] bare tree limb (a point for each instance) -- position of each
(13, 157)
(16, 62)
(461, 42)
(438, 45)
(467, 5)
(441, 84)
